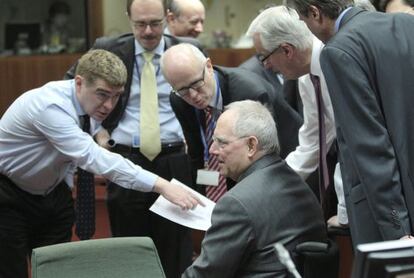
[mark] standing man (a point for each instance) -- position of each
(368, 65)
(286, 45)
(270, 203)
(198, 86)
(41, 144)
(127, 126)
(185, 18)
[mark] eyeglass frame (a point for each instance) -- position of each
(263, 58)
(222, 143)
(153, 24)
(193, 85)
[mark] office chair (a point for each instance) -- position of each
(124, 257)
(318, 259)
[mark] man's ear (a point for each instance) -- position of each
(170, 16)
(252, 146)
(314, 13)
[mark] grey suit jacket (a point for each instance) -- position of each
(269, 204)
(369, 66)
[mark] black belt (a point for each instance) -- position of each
(165, 148)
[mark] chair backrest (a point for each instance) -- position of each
(111, 257)
(318, 259)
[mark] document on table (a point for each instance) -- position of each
(198, 218)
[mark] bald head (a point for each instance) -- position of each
(181, 59)
(186, 18)
(190, 74)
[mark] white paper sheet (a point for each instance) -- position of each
(198, 218)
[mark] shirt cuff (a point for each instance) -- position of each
(146, 181)
(342, 215)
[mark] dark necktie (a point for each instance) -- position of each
(214, 193)
(85, 197)
(323, 166)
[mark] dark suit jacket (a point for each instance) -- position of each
(369, 66)
(289, 89)
(237, 84)
(123, 46)
(269, 204)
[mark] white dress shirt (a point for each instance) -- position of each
(305, 158)
(41, 144)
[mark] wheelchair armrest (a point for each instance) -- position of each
(312, 246)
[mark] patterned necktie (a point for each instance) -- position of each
(323, 166)
(150, 142)
(214, 193)
(85, 197)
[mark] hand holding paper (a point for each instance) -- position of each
(198, 218)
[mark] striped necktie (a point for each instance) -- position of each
(214, 193)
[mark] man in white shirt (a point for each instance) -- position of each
(287, 46)
(41, 144)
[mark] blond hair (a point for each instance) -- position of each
(102, 64)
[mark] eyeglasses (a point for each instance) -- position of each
(142, 25)
(263, 58)
(222, 143)
(195, 86)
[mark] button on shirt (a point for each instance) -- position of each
(41, 144)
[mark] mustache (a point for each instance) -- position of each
(149, 37)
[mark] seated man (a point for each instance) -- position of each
(270, 203)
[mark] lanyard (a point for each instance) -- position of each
(212, 123)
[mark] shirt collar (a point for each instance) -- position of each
(315, 66)
(78, 107)
(159, 50)
(339, 19)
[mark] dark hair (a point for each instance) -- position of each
(129, 3)
(329, 8)
(58, 7)
(382, 5)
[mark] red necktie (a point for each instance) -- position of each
(214, 193)
(323, 166)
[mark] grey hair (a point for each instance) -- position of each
(174, 7)
(277, 25)
(255, 119)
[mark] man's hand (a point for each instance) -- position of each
(176, 194)
(102, 138)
